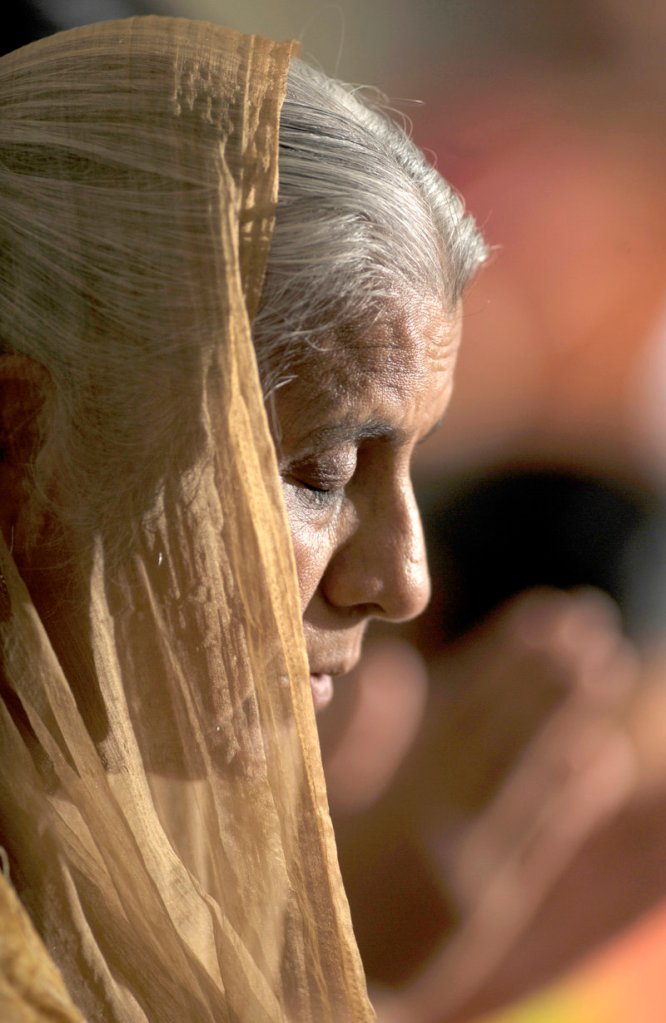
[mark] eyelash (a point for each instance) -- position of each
(320, 496)
(318, 486)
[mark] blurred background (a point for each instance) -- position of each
(497, 772)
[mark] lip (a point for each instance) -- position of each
(321, 684)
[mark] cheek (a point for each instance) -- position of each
(313, 546)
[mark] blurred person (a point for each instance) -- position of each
(552, 464)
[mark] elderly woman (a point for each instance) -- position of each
(211, 390)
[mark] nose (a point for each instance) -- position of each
(381, 570)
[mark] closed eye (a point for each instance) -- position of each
(328, 473)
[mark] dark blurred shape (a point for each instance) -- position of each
(409, 912)
(494, 536)
(33, 19)
(28, 21)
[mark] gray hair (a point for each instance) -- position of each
(91, 274)
(363, 220)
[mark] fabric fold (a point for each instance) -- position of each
(162, 800)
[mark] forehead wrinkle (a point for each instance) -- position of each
(407, 347)
(401, 341)
(385, 367)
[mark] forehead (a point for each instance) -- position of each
(397, 364)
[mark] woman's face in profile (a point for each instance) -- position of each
(348, 424)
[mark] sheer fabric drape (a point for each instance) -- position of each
(164, 812)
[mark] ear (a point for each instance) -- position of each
(23, 387)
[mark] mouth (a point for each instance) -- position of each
(327, 670)
(322, 690)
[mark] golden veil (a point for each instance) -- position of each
(164, 814)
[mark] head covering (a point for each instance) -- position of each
(162, 804)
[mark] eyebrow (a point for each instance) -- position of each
(349, 431)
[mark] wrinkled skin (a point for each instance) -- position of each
(347, 429)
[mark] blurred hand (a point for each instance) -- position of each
(522, 755)
(528, 721)
(367, 730)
